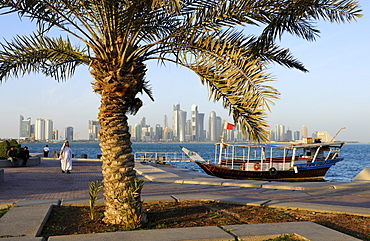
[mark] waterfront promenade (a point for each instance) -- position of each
(45, 183)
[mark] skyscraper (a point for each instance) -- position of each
(40, 129)
(212, 126)
(48, 129)
(55, 135)
(165, 121)
(44, 129)
(219, 128)
(24, 128)
(138, 130)
(201, 127)
(69, 133)
(181, 125)
(289, 135)
(304, 131)
(297, 135)
(194, 123)
(175, 121)
(94, 128)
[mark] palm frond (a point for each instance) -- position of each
(52, 57)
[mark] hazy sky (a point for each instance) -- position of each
(335, 93)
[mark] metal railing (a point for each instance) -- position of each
(161, 157)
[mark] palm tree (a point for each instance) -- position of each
(119, 36)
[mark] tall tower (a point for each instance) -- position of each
(219, 128)
(194, 122)
(25, 128)
(138, 131)
(48, 129)
(69, 133)
(201, 133)
(40, 129)
(296, 135)
(165, 121)
(175, 121)
(143, 122)
(212, 127)
(21, 118)
(289, 135)
(94, 128)
(304, 131)
(181, 125)
(55, 135)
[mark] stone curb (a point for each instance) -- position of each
(26, 218)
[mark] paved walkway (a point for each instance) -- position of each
(46, 182)
(163, 182)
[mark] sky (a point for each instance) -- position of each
(334, 94)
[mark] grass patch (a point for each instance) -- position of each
(3, 211)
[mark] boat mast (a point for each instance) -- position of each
(342, 128)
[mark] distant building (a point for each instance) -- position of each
(55, 135)
(40, 129)
(137, 132)
(181, 125)
(194, 123)
(212, 132)
(289, 135)
(48, 129)
(304, 131)
(24, 128)
(296, 135)
(94, 128)
(323, 136)
(68, 135)
(200, 127)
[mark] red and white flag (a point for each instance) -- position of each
(228, 126)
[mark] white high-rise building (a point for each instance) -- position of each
(279, 132)
(40, 129)
(175, 121)
(44, 129)
(94, 128)
(24, 128)
(212, 127)
(194, 123)
(48, 129)
(304, 131)
(182, 125)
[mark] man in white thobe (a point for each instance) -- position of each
(65, 156)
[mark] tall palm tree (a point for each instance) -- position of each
(119, 36)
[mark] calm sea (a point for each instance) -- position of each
(356, 156)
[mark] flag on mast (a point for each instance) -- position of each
(228, 126)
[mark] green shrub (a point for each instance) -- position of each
(5, 146)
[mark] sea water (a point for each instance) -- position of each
(356, 156)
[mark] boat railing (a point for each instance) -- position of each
(161, 157)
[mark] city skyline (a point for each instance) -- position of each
(333, 94)
(182, 129)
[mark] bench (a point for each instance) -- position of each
(34, 160)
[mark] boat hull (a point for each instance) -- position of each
(305, 172)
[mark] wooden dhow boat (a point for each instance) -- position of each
(274, 161)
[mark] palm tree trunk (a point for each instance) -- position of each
(118, 162)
